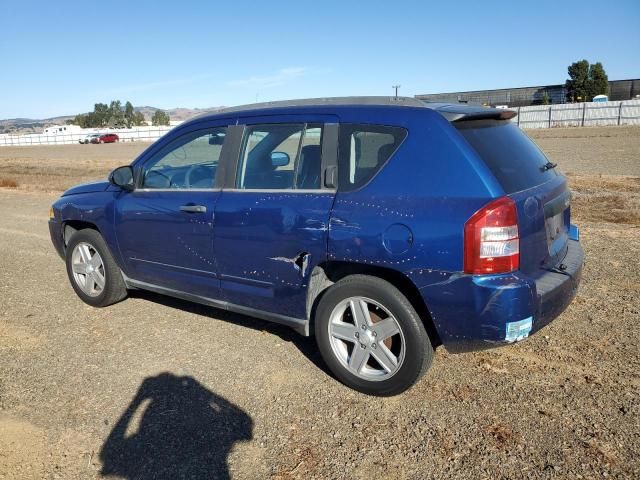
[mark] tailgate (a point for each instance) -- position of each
(544, 216)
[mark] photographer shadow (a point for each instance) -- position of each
(174, 428)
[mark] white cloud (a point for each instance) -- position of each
(141, 87)
(281, 77)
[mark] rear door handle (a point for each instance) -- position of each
(193, 208)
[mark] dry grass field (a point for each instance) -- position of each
(158, 388)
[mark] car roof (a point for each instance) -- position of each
(451, 111)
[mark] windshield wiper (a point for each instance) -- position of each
(548, 166)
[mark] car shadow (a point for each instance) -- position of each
(306, 345)
(174, 428)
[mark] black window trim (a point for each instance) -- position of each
(330, 137)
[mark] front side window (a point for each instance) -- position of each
(363, 150)
(189, 162)
(281, 157)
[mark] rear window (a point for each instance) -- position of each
(512, 157)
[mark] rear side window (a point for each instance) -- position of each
(363, 150)
(512, 157)
(281, 157)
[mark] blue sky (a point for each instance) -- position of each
(61, 57)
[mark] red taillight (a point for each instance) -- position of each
(491, 240)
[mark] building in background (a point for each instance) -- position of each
(525, 96)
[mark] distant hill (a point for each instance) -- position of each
(179, 113)
(32, 125)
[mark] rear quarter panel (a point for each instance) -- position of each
(429, 187)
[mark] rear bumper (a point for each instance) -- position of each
(55, 230)
(485, 311)
(556, 290)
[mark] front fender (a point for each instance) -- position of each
(96, 209)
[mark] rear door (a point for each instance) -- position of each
(271, 224)
(532, 181)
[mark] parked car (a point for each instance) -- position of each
(89, 138)
(105, 138)
(386, 227)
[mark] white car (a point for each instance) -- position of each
(88, 138)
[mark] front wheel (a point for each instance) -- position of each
(371, 337)
(93, 272)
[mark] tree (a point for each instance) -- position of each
(160, 118)
(100, 115)
(138, 119)
(546, 99)
(586, 81)
(116, 114)
(599, 80)
(577, 85)
(128, 114)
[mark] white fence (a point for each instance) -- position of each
(135, 134)
(588, 114)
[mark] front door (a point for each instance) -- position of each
(165, 226)
(271, 229)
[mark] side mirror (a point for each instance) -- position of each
(279, 159)
(122, 177)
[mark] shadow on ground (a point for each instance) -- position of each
(306, 345)
(174, 428)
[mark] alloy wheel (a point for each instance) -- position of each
(88, 269)
(366, 338)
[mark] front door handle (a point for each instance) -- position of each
(193, 208)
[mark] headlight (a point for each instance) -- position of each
(51, 212)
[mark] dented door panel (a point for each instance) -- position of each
(268, 244)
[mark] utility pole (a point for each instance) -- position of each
(396, 87)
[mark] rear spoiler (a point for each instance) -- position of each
(462, 113)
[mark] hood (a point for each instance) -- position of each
(98, 186)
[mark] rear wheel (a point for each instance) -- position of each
(93, 272)
(371, 337)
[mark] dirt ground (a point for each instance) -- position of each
(158, 388)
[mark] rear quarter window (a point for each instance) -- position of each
(513, 158)
(363, 150)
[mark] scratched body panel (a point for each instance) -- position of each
(265, 240)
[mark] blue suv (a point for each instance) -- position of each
(385, 226)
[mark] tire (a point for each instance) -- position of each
(103, 284)
(387, 311)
